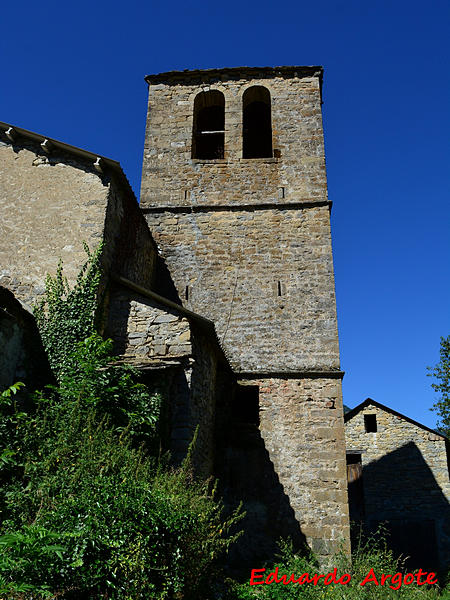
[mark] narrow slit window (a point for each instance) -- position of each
(208, 136)
(370, 423)
(186, 293)
(257, 123)
(279, 288)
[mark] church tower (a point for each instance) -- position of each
(234, 191)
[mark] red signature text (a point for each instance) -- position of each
(394, 581)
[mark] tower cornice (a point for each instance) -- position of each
(207, 75)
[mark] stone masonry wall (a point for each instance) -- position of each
(405, 472)
(248, 245)
(247, 241)
(144, 330)
(295, 174)
(49, 205)
(22, 357)
(233, 262)
(129, 247)
(301, 424)
(151, 336)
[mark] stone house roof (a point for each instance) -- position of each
(369, 402)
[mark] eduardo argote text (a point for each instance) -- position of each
(394, 581)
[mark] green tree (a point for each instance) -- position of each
(442, 373)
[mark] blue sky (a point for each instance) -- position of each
(74, 71)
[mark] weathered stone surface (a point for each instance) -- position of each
(171, 177)
(48, 207)
(149, 330)
(232, 261)
(22, 357)
(405, 474)
(248, 245)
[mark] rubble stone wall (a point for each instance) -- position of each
(405, 472)
(301, 424)
(151, 336)
(296, 172)
(144, 330)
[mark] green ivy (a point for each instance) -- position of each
(65, 315)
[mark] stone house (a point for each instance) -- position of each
(219, 286)
(398, 474)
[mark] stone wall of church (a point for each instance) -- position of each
(182, 360)
(49, 206)
(247, 241)
(248, 244)
(301, 424)
(265, 278)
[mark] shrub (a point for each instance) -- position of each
(124, 526)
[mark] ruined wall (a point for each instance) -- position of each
(49, 205)
(178, 351)
(405, 474)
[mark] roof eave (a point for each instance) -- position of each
(97, 161)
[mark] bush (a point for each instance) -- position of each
(124, 526)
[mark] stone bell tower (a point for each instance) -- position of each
(234, 190)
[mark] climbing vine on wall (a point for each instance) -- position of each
(66, 316)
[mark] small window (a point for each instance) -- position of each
(257, 123)
(353, 458)
(208, 136)
(370, 423)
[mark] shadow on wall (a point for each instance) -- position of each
(401, 491)
(246, 473)
(22, 356)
